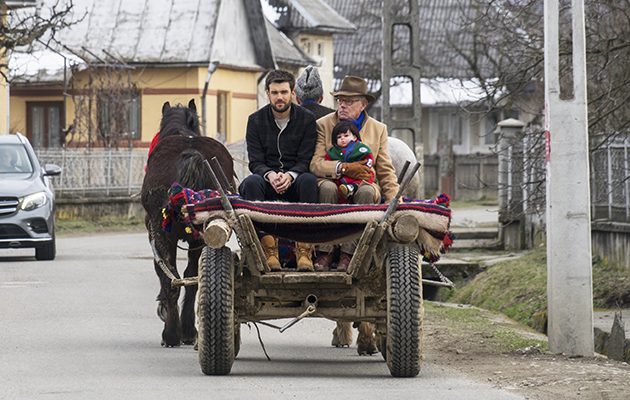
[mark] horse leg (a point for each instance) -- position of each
(189, 332)
(342, 334)
(169, 296)
(366, 341)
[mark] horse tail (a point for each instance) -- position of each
(191, 171)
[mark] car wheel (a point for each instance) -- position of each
(47, 251)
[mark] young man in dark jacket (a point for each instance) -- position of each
(280, 144)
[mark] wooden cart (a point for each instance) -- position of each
(383, 285)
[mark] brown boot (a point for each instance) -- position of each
(304, 256)
(270, 248)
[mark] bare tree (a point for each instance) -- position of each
(103, 106)
(499, 44)
(22, 27)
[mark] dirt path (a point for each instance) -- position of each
(486, 346)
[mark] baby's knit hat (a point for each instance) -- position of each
(308, 85)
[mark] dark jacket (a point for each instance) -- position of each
(318, 109)
(292, 150)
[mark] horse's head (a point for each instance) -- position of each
(179, 120)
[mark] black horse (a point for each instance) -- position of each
(178, 157)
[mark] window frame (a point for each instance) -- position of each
(47, 105)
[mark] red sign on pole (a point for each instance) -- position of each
(547, 146)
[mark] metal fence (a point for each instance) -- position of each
(474, 176)
(120, 172)
(524, 190)
(522, 180)
(110, 172)
(96, 172)
(610, 177)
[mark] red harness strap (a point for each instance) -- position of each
(154, 142)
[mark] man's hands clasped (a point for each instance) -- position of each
(356, 170)
(280, 181)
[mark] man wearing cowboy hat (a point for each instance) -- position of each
(352, 99)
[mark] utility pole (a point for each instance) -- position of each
(406, 128)
(569, 269)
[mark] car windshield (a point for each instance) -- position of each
(14, 159)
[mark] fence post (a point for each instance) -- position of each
(609, 180)
(108, 175)
(625, 173)
(129, 172)
(511, 228)
(63, 170)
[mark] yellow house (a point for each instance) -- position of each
(127, 61)
(5, 7)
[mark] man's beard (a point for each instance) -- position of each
(281, 110)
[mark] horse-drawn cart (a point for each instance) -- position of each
(382, 284)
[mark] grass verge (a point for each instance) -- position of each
(99, 225)
(499, 335)
(518, 288)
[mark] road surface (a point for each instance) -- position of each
(84, 327)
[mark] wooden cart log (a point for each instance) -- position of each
(216, 233)
(405, 229)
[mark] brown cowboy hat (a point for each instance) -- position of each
(353, 86)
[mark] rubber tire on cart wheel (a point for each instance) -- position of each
(404, 311)
(46, 252)
(216, 337)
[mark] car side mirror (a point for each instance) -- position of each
(52, 170)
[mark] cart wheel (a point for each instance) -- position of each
(404, 312)
(217, 335)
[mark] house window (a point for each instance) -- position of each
(44, 123)
(306, 46)
(320, 49)
(119, 115)
(450, 126)
(222, 116)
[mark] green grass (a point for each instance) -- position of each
(518, 288)
(500, 336)
(100, 225)
(611, 285)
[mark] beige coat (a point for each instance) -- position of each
(374, 135)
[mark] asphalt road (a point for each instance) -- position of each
(84, 327)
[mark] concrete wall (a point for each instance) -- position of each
(93, 208)
(4, 106)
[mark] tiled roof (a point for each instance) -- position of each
(159, 32)
(142, 31)
(284, 50)
(442, 31)
(167, 32)
(309, 16)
